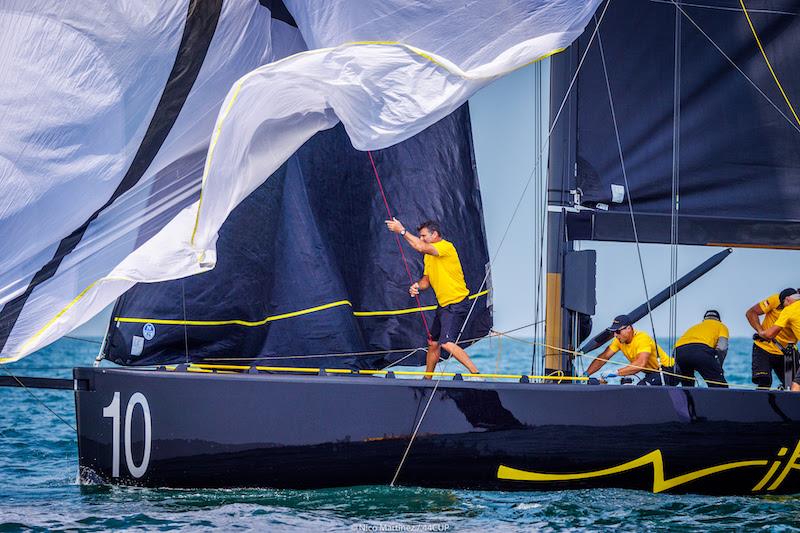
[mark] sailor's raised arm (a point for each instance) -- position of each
(416, 243)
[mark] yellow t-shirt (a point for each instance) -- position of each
(771, 314)
(642, 342)
(706, 332)
(789, 320)
(445, 274)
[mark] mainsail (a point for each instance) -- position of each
(687, 137)
(85, 214)
(705, 124)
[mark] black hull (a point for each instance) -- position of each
(261, 430)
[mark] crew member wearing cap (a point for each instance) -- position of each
(768, 355)
(640, 350)
(703, 349)
(787, 322)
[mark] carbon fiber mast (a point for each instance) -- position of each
(559, 322)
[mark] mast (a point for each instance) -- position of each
(558, 320)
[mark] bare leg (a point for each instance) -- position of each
(795, 387)
(461, 356)
(432, 358)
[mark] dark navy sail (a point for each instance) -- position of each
(307, 267)
(739, 163)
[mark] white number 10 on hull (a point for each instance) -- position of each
(112, 411)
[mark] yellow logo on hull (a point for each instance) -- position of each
(661, 483)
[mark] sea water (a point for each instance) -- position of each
(38, 489)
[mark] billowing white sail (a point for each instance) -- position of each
(106, 133)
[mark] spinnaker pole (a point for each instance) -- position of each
(641, 311)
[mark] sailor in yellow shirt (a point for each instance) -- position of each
(443, 273)
(640, 350)
(768, 355)
(703, 349)
(787, 321)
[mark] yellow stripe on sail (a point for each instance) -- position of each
(256, 323)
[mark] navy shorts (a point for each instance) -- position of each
(449, 320)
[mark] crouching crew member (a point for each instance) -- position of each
(640, 350)
(768, 356)
(703, 349)
(787, 321)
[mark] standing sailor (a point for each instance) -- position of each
(768, 355)
(703, 349)
(444, 274)
(787, 322)
(640, 350)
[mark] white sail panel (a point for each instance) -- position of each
(469, 33)
(74, 112)
(239, 38)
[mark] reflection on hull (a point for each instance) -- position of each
(178, 429)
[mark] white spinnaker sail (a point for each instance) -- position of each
(420, 63)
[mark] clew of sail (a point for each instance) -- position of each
(383, 92)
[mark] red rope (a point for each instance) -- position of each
(399, 244)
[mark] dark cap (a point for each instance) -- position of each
(784, 293)
(620, 322)
(711, 313)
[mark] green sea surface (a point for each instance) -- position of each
(38, 489)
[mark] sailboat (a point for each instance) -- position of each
(275, 368)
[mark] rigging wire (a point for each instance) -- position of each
(415, 350)
(675, 205)
(37, 399)
(505, 234)
(630, 203)
(185, 327)
(755, 86)
(766, 60)
(90, 341)
(726, 8)
(350, 354)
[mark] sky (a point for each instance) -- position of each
(504, 125)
